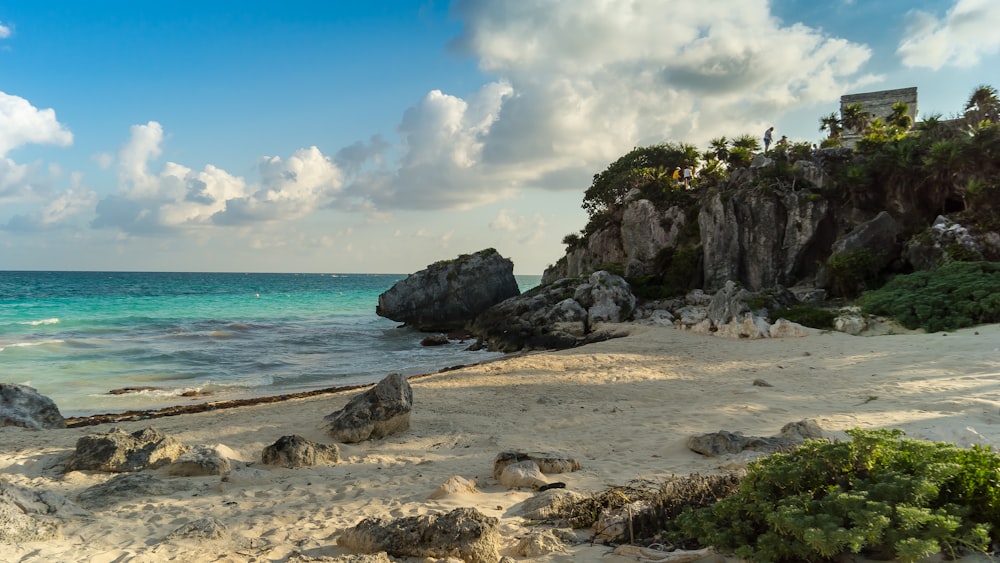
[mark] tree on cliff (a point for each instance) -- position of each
(983, 105)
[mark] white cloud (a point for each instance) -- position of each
(525, 230)
(22, 123)
(5, 31)
(578, 84)
(966, 33)
(177, 197)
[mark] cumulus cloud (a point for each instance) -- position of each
(577, 84)
(5, 31)
(22, 123)
(966, 33)
(524, 229)
(177, 197)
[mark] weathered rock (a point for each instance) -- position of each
(783, 328)
(201, 529)
(434, 340)
(455, 485)
(724, 442)
(29, 515)
(200, 461)
(448, 294)
(878, 236)
(555, 316)
(546, 462)
(941, 243)
(736, 247)
(607, 298)
(379, 412)
(118, 451)
(296, 451)
(522, 475)
(464, 533)
(23, 406)
(122, 487)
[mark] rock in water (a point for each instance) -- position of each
(446, 295)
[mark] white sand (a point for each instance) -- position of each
(623, 408)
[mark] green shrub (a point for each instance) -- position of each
(878, 494)
(956, 295)
(806, 315)
(852, 271)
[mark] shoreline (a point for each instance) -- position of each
(177, 410)
(624, 408)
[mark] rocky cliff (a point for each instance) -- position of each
(786, 221)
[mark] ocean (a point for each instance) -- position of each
(76, 336)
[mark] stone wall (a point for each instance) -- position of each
(879, 104)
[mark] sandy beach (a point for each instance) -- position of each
(624, 408)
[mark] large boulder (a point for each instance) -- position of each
(446, 295)
(23, 406)
(562, 314)
(117, 451)
(464, 533)
(378, 412)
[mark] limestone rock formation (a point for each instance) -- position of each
(117, 451)
(725, 442)
(23, 406)
(446, 295)
(546, 462)
(296, 451)
(464, 533)
(378, 412)
(561, 314)
(29, 515)
(200, 461)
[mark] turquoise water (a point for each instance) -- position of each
(75, 336)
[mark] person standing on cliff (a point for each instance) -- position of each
(687, 176)
(768, 135)
(677, 176)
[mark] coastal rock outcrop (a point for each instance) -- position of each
(117, 451)
(28, 515)
(464, 533)
(725, 442)
(378, 412)
(296, 451)
(200, 461)
(448, 294)
(23, 406)
(562, 314)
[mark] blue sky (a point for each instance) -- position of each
(384, 136)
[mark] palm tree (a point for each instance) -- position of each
(720, 148)
(832, 124)
(901, 117)
(983, 105)
(855, 118)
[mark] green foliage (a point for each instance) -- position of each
(956, 295)
(639, 168)
(571, 241)
(878, 494)
(806, 315)
(851, 272)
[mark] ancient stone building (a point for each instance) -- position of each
(878, 104)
